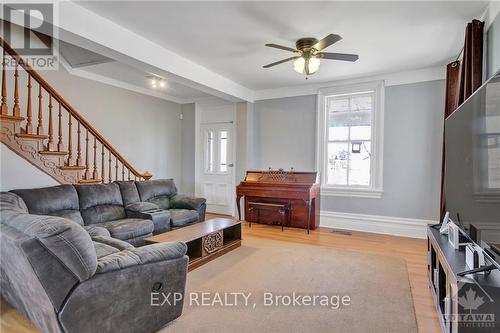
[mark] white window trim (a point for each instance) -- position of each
(375, 190)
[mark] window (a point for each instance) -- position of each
(223, 151)
(209, 152)
(350, 140)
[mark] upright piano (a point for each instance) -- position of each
(297, 194)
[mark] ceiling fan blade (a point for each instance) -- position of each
(286, 48)
(338, 56)
(327, 41)
(280, 62)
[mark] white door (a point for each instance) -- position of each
(217, 174)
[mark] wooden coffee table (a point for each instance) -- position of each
(205, 240)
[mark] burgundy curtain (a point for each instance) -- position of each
(463, 77)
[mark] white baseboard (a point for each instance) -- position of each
(396, 226)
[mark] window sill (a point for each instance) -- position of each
(352, 192)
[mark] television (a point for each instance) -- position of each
(472, 167)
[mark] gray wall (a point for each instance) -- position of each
(145, 130)
(412, 148)
(493, 47)
(285, 133)
(188, 148)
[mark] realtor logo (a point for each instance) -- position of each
(30, 30)
(38, 18)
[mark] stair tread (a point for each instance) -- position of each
(9, 117)
(50, 152)
(32, 136)
(72, 167)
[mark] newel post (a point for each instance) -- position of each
(146, 175)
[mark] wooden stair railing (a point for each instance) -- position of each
(56, 152)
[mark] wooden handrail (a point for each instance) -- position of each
(52, 92)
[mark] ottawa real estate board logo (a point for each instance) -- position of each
(476, 307)
(30, 31)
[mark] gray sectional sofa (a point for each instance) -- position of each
(68, 260)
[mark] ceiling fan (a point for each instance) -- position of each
(309, 54)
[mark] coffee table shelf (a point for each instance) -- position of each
(205, 240)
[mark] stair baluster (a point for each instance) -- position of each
(39, 128)
(102, 164)
(16, 111)
(50, 144)
(116, 168)
(29, 115)
(123, 172)
(110, 174)
(79, 146)
(86, 177)
(60, 145)
(94, 172)
(70, 141)
(3, 106)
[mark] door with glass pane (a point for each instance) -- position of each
(217, 180)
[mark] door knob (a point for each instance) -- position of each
(230, 165)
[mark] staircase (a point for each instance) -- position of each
(71, 151)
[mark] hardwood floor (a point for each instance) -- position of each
(413, 251)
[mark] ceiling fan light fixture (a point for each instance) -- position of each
(313, 65)
(299, 65)
(309, 52)
(306, 66)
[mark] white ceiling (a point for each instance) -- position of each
(229, 37)
(124, 73)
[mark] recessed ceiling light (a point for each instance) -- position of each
(156, 81)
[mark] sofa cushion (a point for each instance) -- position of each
(128, 228)
(182, 217)
(100, 203)
(141, 207)
(128, 191)
(59, 201)
(141, 256)
(105, 245)
(157, 191)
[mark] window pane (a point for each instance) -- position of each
(209, 152)
(338, 104)
(361, 132)
(359, 163)
(223, 151)
(338, 126)
(337, 163)
(362, 102)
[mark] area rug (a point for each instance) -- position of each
(273, 286)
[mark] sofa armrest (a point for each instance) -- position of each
(141, 207)
(186, 202)
(140, 256)
(94, 231)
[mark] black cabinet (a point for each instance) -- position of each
(469, 304)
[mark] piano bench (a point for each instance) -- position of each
(283, 209)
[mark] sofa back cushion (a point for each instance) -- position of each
(129, 192)
(59, 201)
(158, 191)
(100, 203)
